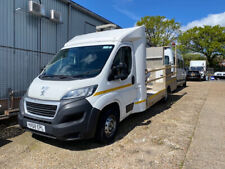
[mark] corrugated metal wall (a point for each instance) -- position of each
(28, 42)
(6, 26)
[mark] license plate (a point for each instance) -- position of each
(35, 126)
(192, 74)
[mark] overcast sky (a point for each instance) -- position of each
(188, 12)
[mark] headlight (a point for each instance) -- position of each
(80, 93)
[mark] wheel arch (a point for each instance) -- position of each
(113, 105)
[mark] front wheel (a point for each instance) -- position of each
(204, 78)
(108, 125)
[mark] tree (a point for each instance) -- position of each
(192, 56)
(207, 40)
(160, 31)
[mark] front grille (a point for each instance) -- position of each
(41, 109)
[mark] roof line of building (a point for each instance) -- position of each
(87, 11)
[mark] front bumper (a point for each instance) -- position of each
(74, 120)
(193, 78)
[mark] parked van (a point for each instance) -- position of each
(219, 75)
(94, 82)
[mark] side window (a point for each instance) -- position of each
(122, 63)
(180, 63)
(167, 60)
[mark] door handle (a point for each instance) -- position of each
(133, 79)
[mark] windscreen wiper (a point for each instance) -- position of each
(55, 76)
(87, 73)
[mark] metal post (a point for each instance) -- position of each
(164, 70)
(175, 48)
(10, 98)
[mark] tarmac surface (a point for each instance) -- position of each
(186, 132)
(207, 149)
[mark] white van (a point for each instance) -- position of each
(199, 65)
(94, 82)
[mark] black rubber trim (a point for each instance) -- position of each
(129, 107)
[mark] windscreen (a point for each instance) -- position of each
(198, 68)
(78, 62)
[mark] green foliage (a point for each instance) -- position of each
(160, 31)
(207, 40)
(217, 63)
(192, 56)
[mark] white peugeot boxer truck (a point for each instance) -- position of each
(94, 82)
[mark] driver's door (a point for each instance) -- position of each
(128, 93)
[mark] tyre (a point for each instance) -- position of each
(107, 127)
(204, 79)
(185, 84)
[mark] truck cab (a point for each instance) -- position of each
(94, 82)
(200, 66)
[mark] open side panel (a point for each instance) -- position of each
(155, 66)
(156, 85)
(160, 75)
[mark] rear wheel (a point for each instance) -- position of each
(185, 84)
(108, 125)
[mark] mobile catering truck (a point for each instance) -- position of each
(94, 82)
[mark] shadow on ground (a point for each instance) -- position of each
(9, 129)
(139, 119)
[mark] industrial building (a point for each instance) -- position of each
(31, 32)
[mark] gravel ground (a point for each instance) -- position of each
(157, 138)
